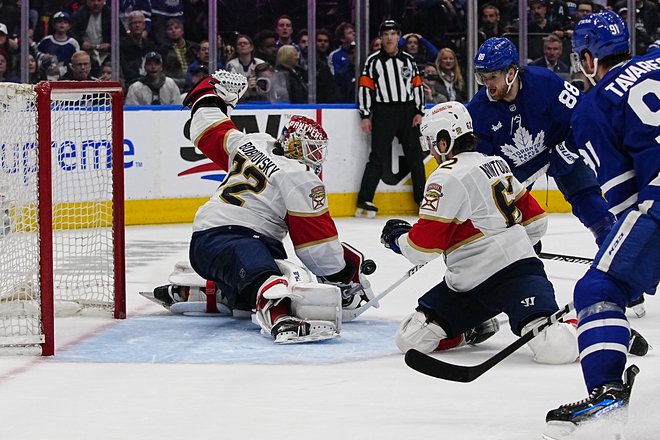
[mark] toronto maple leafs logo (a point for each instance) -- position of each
(525, 146)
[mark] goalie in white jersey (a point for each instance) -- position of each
(484, 222)
(271, 189)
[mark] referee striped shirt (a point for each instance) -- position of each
(389, 79)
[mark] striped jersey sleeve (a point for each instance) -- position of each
(387, 79)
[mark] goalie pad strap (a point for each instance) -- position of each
(273, 283)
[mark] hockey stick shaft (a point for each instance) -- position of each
(459, 373)
(348, 315)
(566, 258)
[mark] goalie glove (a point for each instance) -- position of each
(227, 86)
(392, 230)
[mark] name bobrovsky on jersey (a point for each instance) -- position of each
(630, 75)
(495, 168)
(261, 160)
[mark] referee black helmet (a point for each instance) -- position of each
(389, 25)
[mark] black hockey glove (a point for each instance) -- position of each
(392, 230)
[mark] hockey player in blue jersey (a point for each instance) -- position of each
(617, 128)
(523, 115)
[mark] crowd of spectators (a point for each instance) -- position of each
(164, 42)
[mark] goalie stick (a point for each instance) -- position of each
(431, 366)
(566, 258)
(351, 314)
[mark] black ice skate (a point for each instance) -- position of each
(638, 345)
(608, 401)
(483, 331)
(166, 295)
(366, 210)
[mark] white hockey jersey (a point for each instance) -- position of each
(268, 193)
(478, 215)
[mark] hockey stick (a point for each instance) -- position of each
(351, 314)
(566, 258)
(431, 366)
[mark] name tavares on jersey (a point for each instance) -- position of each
(630, 75)
(261, 160)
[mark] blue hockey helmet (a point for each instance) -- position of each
(494, 54)
(601, 34)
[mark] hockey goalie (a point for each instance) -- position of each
(272, 189)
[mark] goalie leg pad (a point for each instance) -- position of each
(294, 273)
(269, 302)
(185, 275)
(317, 302)
(274, 310)
(418, 333)
(557, 344)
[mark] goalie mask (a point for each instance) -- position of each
(304, 140)
(451, 117)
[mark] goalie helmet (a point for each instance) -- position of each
(602, 35)
(451, 117)
(304, 140)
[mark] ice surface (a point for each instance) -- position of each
(157, 376)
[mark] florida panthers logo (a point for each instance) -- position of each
(318, 197)
(432, 197)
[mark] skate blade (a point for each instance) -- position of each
(198, 308)
(188, 308)
(363, 213)
(601, 429)
(289, 339)
(640, 310)
(150, 296)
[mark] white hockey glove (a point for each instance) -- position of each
(229, 87)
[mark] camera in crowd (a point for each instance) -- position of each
(431, 77)
(263, 84)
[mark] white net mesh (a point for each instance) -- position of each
(82, 198)
(20, 310)
(82, 208)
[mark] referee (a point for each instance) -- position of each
(391, 103)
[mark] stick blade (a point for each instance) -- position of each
(439, 369)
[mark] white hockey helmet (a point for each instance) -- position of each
(451, 117)
(305, 140)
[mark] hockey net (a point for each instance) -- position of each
(61, 207)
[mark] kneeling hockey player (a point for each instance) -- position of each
(484, 223)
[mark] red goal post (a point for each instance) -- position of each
(62, 245)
